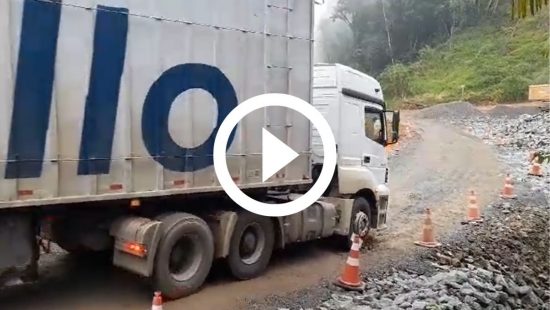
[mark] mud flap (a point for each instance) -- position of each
(222, 224)
(135, 231)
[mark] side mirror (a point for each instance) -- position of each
(392, 121)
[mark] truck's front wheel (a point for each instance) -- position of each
(251, 246)
(359, 222)
(361, 216)
(184, 256)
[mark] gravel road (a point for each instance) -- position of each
(435, 168)
(501, 263)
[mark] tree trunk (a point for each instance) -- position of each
(390, 49)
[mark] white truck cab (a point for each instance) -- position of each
(353, 104)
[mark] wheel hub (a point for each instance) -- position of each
(185, 258)
(361, 223)
(252, 244)
(248, 244)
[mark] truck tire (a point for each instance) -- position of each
(360, 220)
(184, 256)
(251, 246)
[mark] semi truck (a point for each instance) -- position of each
(108, 114)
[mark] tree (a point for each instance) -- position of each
(520, 8)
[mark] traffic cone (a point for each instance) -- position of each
(396, 149)
(531, 155)
(157, 301)
(351, 278)
(428, 239)
(474, 215)
(508, 191)
(389, 150)
(536, 168)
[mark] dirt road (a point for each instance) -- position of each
(434, 170)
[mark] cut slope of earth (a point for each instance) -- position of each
(494, 64)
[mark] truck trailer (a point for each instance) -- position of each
(108, 114)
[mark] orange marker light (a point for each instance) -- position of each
(135, 203)
(136, 249)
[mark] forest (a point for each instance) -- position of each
(432, 51)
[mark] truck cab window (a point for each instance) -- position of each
(373, 126)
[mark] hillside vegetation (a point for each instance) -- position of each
(493, 63)
(432, 51)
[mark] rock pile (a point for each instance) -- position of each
(525, 133)
(515, 139)
(465, 288)
(512, 240)
(451, 110)
(502, 263)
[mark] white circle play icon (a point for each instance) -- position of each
(275, 154)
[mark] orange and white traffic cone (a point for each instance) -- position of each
(351, 278)
(474, 215)
(428, 239)
(536, 168)
(389, 149)
(157, 301)
(531, 156)
(508, 191)
(396, 149)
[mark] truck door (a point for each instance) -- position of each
(373, 155)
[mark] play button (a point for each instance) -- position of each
(275, 155)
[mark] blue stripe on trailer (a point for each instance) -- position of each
(110, 38)
(33, 89)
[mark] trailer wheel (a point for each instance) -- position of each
(184, 256)
(251, 246)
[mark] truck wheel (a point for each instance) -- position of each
(251, 246)
(184, 256)
(360, 221)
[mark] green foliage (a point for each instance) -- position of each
(399, 77)
(493, 63)
(520, 8)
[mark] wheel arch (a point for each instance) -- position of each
(369, 195)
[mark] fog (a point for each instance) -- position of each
(322, 11)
